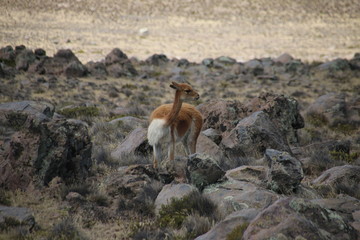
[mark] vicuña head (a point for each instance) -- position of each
(171, 123)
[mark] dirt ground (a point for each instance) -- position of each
(192, 29)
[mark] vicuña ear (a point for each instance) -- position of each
(174, 85)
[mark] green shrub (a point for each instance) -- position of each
(343, 156)
(76, 112)
(237, 232)
(174, 214)
(66, 230)
(4, 198)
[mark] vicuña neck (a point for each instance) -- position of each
(171, 117)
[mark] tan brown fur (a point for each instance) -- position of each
(183, 121)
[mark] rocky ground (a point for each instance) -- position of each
(279, 153)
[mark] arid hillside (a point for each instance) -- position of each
(309, 30)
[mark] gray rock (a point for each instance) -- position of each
(284, 58)
(285, 173)
(252, 174)
(157, 60)
(213, 134)
(171, 191)
(39, 148)
(75, 69)
(207, 146)
(239, 219)
(97, 69)
(203, 170)
(335, 65)
(297, 218)
(24, 59)
(115, 56)
(232, 196)
(254, 67)
(341, 179)
(16, 216)
(251, 137)
(135, 143)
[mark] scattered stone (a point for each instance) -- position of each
(284, 58)
(157, 60)
(171, 191)
(234, 221)
(213, 134)
(231, 196)
(252, 174)
(285, 173)
(251, 137)
(203, 170)
(134, 144)
(297, 218)
(341, 179)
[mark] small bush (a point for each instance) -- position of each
(174, 214)
(100, 199)
(343, 156)
(66, 230)
(5, 198)
(237, 232)
(81, 111)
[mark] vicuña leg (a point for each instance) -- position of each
(157, 154)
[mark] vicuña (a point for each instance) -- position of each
(172, 123)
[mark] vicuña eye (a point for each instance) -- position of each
(188, 91)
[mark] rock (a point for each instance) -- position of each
(2, 72)
(115, 56)
(221, 115)
(97, 69)
(134, 144)
(143, 32)
(341, 179)
(282, 110)
(11, 217)
(284, 58)
(207, 146)
(254, 67)
(231, 196)
(75, 69)
(38, 147)
(157, 60)
(39, 52)
(203, 170)
(251, 137)
(7, 56)
(118, 64)
(343, 205)
(24, 59)
(297, 218)
(328, 109)
(285, 173)
(63, 61)
(208, 62)
(171, 191)
(221, 230)
(213, 134)
(335, 65)
(252, 174)
(136, 187)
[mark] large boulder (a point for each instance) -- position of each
(38, 147)
(136, 187)
(297, 218)
(64, 62)
(283, 112)
(341, 179)
(118, 65)
(134, 144)
(172, 191)
(222, 115)
(236, 220)
(232, 195)
(328, 109)
(284, 173)
(251, 137)
(206, 146)
(203, 170)
(24, 59)
(253, 174)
